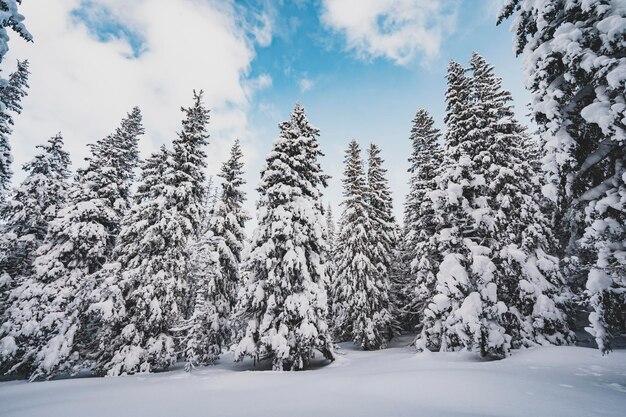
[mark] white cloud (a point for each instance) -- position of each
(83, 86)
(398, 30)
(305, 84)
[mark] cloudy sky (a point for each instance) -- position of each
(361, 68)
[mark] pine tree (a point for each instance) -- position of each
(216, 269)
(464, 311)
(421, 256)
(228, 222)
(35, 204)
(11, 93)
(143, 293)
(574, 69)
(529, 279)
(284, 300)
(384, 232)
(48, 321)
(12, 90)
(360, 291)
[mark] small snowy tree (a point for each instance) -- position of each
(575, 70)
(360, 291)
(11, 93)
(143, 294)
(47, 330)
(284, 300)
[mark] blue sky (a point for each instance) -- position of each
(361, 68)
(371, 99)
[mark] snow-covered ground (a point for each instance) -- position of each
(550, 381)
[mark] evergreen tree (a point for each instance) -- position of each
(11, 93)
(360, 291)
(35, 204)
(574, 69)
(284, 299)
(330, 229)
(12, 90)
(228, 222)
(216, 269)
(464, 311)
(47, 330)
(143, 294)
(529, 280)
(420, 251)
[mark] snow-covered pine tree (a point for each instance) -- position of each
(420, 219)
(575, 69)
(47, 325)
(144, 293)
(11, 93)
(35, 204)
(284, 300)
(228, 222)
(360, 291)
(384, 232)
(464, 310)
(10, 90)
(331, 236)
(135, 290)
(528, 278)
(216, 269)
(330, 229)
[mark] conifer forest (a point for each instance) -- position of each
(135, 279)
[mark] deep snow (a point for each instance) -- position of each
(548, 381)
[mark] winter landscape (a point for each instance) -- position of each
(313, 208)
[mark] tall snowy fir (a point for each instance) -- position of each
(33, 206)
(144, 293)
(529, 280)
(576, 70)
(464, 310)
(47, 324)
(217, 269)
(284, 301)
(384, 233)
(11, 93)
(360, 290)
(420, 222)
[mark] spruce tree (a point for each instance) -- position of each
(216, 270)
(12, 90)
(143, 293)
(574, 69)
(48, 321)
(420, 252)
(360, 291)
(228, 222)
(35, 204)
(464, 311)
(384, 233)
(528, 274)
(11, 93)
(284, 301)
